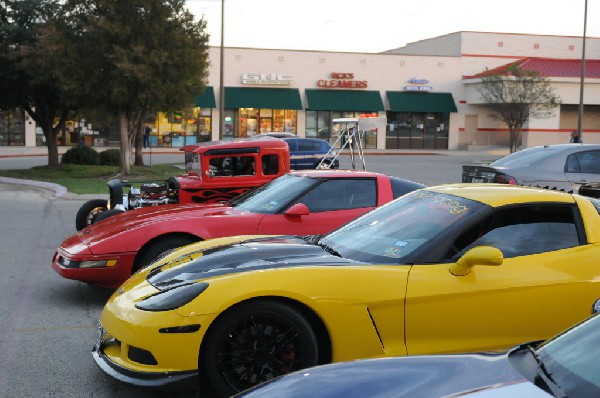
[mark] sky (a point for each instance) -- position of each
(373, 26)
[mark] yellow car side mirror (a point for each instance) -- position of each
(480, 255)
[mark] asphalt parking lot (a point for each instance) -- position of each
(49, 324)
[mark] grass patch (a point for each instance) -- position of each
(83, 179)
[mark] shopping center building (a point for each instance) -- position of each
(425, 94)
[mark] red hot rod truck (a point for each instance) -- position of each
(215, 171)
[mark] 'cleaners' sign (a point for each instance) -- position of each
(341, 80)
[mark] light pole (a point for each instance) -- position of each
(221, 69)
(581, 83)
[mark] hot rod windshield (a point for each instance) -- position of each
(391, 233)
(192, 163)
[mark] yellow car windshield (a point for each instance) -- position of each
(393, 232)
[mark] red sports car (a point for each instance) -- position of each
(300, 203)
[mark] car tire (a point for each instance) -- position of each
(160, 248)
(326, 165)
(89, 212)
(251, 343)
(108, 213)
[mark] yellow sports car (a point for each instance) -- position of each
(454, 268)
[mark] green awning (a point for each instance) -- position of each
(207, 98)
(343, 100)
(406, 101)
(269, 98)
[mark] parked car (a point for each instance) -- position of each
(448, 269)
(565, 366)
(307, 153)
(564, 167)
(312, 202)
(274, 134)
(213, 173)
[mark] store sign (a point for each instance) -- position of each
(269, 79)
(420, 85)
(341, 80)
(418, 88)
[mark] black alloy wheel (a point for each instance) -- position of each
(254, 343)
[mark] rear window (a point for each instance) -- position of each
(402, 187)
(524, 158)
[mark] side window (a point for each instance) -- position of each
(572, 165)
(270, 164)
(589, 161)
(243, 165)
(221, 166)
(521, 231)
(341, 194)
(304, 146)
(231, 166)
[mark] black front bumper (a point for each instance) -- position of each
(137, 378)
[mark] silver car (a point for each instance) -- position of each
(563, 167)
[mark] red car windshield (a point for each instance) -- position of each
(271, 198)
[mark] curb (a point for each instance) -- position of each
(59, 190)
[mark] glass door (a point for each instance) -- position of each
(417, 131)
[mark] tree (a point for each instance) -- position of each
(514, 96)
(27, 66)
(138, 56)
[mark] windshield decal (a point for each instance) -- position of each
(452, 204)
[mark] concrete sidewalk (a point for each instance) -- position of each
(18, 151)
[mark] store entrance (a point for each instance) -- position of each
(417, 130)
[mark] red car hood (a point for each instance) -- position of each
(149, 215)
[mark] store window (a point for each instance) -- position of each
(414, 130)
(247, 122)
(177, 129)
(318, 125)
(12, 128)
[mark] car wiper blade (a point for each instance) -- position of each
(312, 239)
(544, 378)
(329, 249)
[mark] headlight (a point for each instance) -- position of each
(173, 298)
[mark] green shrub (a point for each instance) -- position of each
(110, 157)
(81, 155)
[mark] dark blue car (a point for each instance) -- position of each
(564, 366)
(307, 153)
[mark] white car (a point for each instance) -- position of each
(563, 167)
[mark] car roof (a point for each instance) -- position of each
(336, 173)
(305, 139)
(496, 195)
(568, 147)
(276, 134)
(267, 142)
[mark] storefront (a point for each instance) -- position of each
(253, 110)
(418, 119)
(427, 91)
(324, 105)
(12, 128)
(185, 127)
